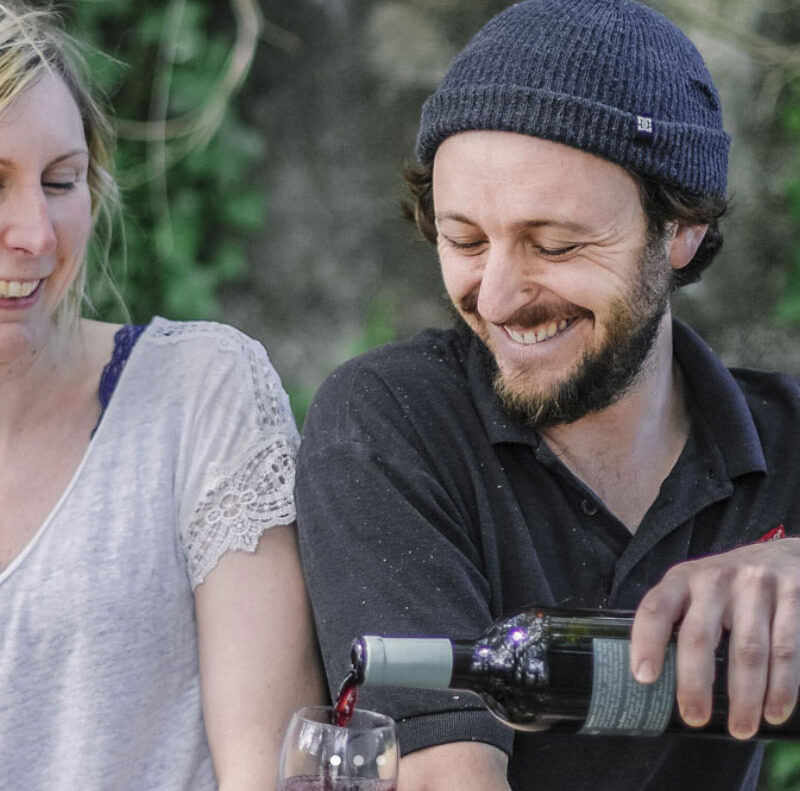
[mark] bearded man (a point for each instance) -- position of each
(569, 442)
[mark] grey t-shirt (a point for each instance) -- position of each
(99, 681)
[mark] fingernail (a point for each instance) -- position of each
(743, 729)
(646, 672)
(692, 716)
(778, 716)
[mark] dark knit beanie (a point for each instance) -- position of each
(611, 77)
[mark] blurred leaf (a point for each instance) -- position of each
(300, 399)
(378, 326)
(793, 193)
(231, 262)
(788, 309)
(782, 770)
(191, 293)
(185, 234)
(245, 211)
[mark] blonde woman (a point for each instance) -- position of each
(155, 628)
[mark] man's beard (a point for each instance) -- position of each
(603, 376)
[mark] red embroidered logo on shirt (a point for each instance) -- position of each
(773, 535)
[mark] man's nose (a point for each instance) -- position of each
(25, 223)
(507, 284)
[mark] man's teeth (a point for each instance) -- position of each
(542, 334)
(18, 288)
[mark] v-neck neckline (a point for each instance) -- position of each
(96, 439)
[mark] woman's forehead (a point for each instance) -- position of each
(44, 114)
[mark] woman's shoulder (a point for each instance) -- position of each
(191, 362)
(198, 333)
(215, 360)
(204, 344)
(200, 337)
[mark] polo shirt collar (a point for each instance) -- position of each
(720, 401)
(718, 397)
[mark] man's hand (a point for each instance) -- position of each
(754, 592)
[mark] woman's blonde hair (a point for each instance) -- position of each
(33, 43)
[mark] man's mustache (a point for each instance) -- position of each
(531, 315)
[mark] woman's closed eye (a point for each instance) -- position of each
(59, 186)
(62, 179)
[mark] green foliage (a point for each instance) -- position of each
(378, 326)
(188, 209)
(782, 767)
(300, 397)
(789, 306)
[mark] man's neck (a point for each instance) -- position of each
(625, 452)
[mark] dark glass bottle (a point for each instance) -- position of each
(548, 668)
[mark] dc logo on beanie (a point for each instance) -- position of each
(644, 127)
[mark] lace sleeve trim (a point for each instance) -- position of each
(237, 510)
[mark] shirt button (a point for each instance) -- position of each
(588, 507)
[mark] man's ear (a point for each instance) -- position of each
(683, 242)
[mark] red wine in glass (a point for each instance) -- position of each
(319, 755)
(314, 783)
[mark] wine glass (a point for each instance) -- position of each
(319, 756)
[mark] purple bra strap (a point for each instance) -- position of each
(124, 340)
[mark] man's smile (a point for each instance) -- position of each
(540, 333)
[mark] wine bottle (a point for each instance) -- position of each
(551, 669)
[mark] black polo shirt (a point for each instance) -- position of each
(423, 509)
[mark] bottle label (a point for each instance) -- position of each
(620, 705)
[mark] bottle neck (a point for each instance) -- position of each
(421, 662)
(462, 676)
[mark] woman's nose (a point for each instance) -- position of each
(25, 223)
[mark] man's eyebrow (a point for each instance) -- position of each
(568, 225)
(453, 216)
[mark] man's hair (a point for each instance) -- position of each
(662, 204)
(33, 44)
